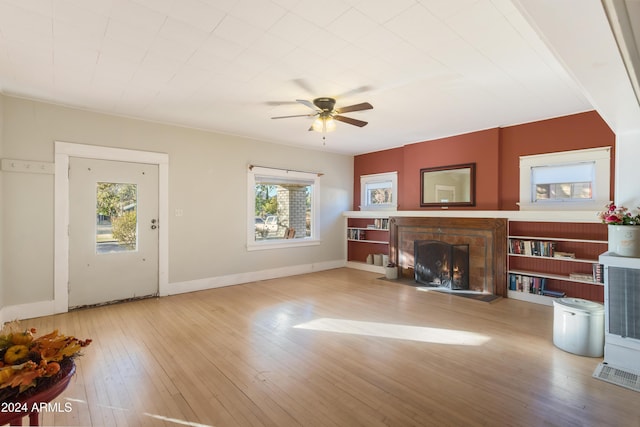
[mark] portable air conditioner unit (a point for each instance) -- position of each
(622, 321)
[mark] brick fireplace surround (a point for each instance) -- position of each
(486, 238)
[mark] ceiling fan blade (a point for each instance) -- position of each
(280, 103)
(297, 115)
(354, 91)
(307, 103)
(351, 121)
(356, 107)
(303, 84)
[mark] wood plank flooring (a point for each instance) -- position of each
(332, 348)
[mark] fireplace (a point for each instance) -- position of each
(483, 240)
(441, 264)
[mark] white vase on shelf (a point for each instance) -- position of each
(624, 240)
(377, 259)
(391, 272)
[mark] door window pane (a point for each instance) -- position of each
(116, 217)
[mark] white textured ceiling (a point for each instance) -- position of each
(430, 68)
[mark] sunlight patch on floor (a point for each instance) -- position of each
(401, 332)
(176, 421)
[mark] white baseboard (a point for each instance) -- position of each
(366, 267)
(27, 311)
(47, 308)
(528, 297)
(252, 276)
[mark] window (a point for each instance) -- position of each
(116, 217)
(282, 208)
(379, 191)
(569, 180)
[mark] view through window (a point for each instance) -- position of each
(282, 205)
(566, 180)
(116, 217)
(379, 191)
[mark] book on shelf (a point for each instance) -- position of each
(356, 234)
(541, 248)
(529, 284)
(587, 277)
(569, 255)
(555, 294)
(381, 223)
(532, 285)
(598, 273)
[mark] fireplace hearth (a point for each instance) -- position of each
(441, 264)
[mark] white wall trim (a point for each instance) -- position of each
(65, 150)
(600, 157)
(541, 216)
(252, 276)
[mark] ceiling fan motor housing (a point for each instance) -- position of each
(325, 104)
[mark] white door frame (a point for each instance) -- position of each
(64, 150)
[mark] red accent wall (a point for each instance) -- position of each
(377, 162)
(479, 147)
(575, 132)
(496, 153)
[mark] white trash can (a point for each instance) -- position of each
(578, 326)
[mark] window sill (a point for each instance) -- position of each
(385, 207)
(282, 244)
(563, 206)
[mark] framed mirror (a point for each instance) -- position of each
(445, 186)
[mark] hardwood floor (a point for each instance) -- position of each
(332, 348)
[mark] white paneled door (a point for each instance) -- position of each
(113, 231)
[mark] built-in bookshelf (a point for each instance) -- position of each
(367, 236)
(548, 260)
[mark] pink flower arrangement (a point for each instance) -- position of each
(618, 215)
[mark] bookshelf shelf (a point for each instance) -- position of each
(556, 239)
(368, 228)
(366, 235)
(553, 276)
(565, 259)
(380, 242)
(561, 257)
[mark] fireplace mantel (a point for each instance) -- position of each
(486, 237)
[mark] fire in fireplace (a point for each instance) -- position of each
(441, 264)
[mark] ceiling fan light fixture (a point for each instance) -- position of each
(329, 124)
(324, 123)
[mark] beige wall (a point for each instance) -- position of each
(1, 205)
(207, 183)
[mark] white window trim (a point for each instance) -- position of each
(312, 240)
(602, 158)
(376, 178)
